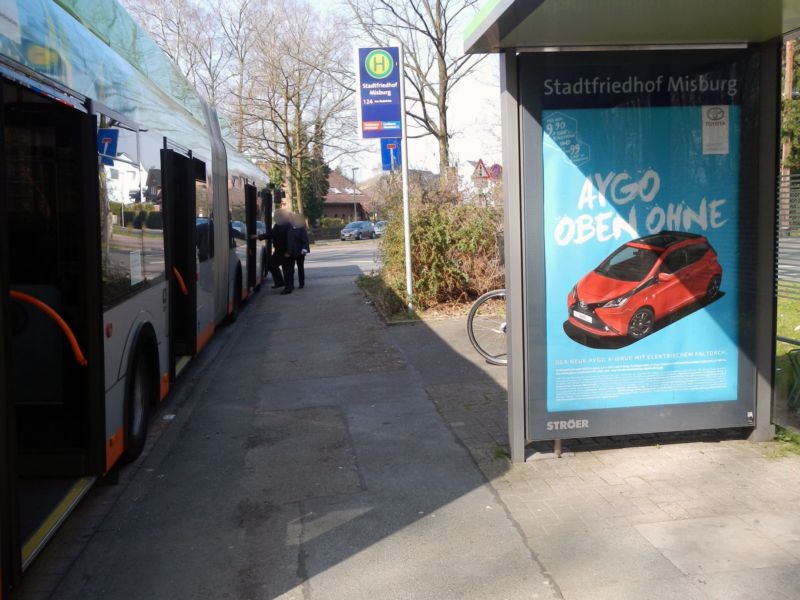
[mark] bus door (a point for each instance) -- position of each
(251, 217)
(52, 259)
(7, 477)
(182, 252)
(266, 209)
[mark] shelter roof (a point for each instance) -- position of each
(519, 24)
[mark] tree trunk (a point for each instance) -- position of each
(441, 106)
(287, 177)
(297, 186)
(297, 166)
(240, 109)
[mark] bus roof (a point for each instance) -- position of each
(94, 48)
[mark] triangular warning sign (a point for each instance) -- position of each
(480, 172)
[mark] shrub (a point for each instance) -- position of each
(455, 255)
(154, 220)
(330, 222)
(139, 219)
(130, 218)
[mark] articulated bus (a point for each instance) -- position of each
(118, 258)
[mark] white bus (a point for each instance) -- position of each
(117, 255)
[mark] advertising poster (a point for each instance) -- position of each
(641, 217)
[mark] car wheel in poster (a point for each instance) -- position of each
(641, 324)
(713, 289)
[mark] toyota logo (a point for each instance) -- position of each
(715, 113)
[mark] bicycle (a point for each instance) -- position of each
(487, 327)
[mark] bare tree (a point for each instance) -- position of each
(302, 80)
(428, 31)
(238, 22)
(280, 71)
(187, 32)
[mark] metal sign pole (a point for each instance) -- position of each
(404, 165)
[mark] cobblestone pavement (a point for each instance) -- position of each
(702, 515)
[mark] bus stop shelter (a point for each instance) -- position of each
(641, 159)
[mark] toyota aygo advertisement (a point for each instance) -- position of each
(641, 222)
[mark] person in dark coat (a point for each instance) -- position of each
(298, 237)
(278, 235)
(296, 249)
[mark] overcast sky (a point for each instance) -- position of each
(474, 116)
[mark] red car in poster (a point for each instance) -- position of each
(643, 282)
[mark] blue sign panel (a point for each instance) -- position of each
(380, 105)
(391, 154)
(107, 140)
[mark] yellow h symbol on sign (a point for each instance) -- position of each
(379, 64)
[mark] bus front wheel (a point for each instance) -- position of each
(138, 399)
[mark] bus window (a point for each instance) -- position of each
(150, 182)
(132, 239)
(204, 216)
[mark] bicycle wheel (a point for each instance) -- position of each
(486, 327)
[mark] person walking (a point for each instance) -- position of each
(298, 242)
(296, 249)
(278, 235)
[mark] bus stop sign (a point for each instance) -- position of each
(380, 105)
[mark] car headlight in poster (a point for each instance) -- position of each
(641, 220)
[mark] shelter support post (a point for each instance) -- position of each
(769, 138)
(509, 82)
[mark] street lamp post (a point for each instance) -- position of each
(355, 210)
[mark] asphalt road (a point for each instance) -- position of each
(339, 259)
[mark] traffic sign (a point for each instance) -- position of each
(391, 154)
(380, 103)
(107, 140)
(480, 172)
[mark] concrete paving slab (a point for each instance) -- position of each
(316, 443)
(771, 583)
(582, 561)
(641, 589)
(783, 529)
(714, 544)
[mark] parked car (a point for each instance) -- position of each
(644, 281)
(380, 228)
(239, 230)
(358, 230)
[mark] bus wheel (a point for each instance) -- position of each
(138, 399)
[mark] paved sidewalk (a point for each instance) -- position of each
(317, 453)
(672, 517)
(306, 462)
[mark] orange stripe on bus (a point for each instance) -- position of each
(164, 385)
(114, 450)
(204, 336)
